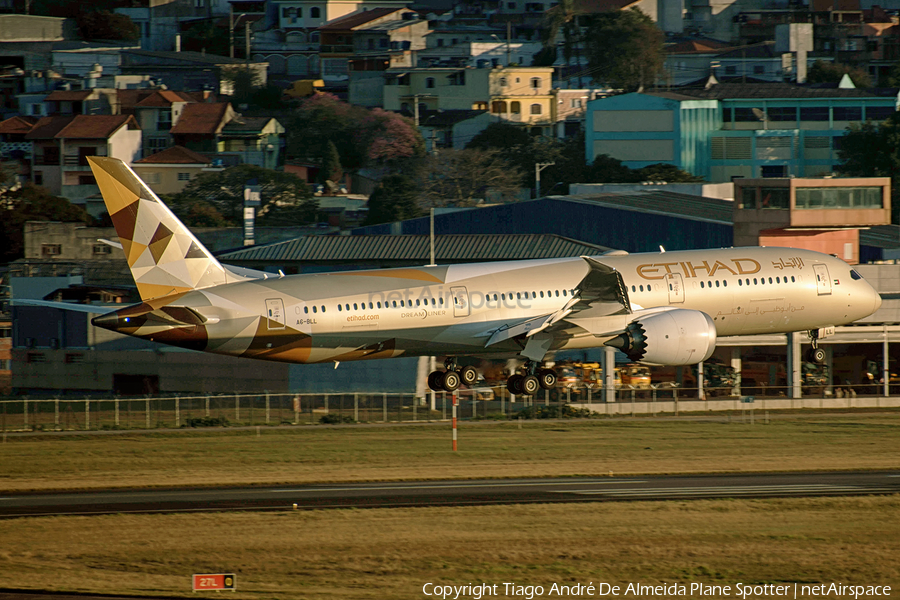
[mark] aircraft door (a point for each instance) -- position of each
(274, 314)
(676, 288)
(823, 282)
(460, 301)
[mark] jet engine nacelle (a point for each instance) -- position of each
(672, 337)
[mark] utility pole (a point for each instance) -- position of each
(538, 167)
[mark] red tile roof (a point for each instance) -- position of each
(201, 118)
(96, 126)
(47, 127)
(176, 155)
(163, 98)
(68, 96)
(17, 125)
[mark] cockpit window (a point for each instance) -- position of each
(854, 275)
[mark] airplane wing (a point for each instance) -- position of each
(601, 293)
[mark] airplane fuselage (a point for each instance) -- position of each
(456, 309)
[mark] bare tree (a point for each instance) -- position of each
(466, 177)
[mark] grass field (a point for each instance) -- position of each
(391, 553)
(386, 554)
(369, 453)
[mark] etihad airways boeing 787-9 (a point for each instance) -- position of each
(658, 308)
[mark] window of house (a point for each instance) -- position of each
(51, 249)
(38, 178)
(86, 180)
(184, 177)
(535, 82)
(429, 82)
(879, 113)
(515, 107)
(440, 43)
(535, 109)
(759, 69)
(731, 70)
(151, 177)
(847, 113)
(782, 113)
(315, 12)
(498, 107)
(814, 113)
(164, 118)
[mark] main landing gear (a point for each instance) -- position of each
(815, 354)
(450, 379)
(532, 379)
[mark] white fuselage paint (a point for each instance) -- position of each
(454, 309)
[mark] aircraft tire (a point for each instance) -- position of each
(547, 378)
(434, 381)
(450, 381)
(468, 375)
(817, 355)
(514, 384)
(530, 385)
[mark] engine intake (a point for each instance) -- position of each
(672, 337)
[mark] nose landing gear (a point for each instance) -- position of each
(815, 354)
(450, 379)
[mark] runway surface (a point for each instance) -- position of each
(451, 493)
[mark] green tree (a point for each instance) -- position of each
(206, 37)
(872, 149)
(362, 137)
(393, 200)
(828, 72)
(466, 177)
(606, 169)
(331, 166)
(666, 172)
(561, 17)
(624, 49)
(31, 203)
(224, 191)
(501, 136)
(106, 25)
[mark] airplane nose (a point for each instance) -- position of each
(877, 301)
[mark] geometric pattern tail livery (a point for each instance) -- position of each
(164, 256)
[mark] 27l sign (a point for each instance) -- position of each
(214, 581)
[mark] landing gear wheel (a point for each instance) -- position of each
(547, 378)
(434, 381)
(450, 381)
(530, 385)
(468, 375)
(514, 384)
(816, 355)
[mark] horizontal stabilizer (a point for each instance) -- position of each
(85, 308)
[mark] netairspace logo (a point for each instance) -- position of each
(477, 591)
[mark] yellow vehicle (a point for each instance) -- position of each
(303, 88)
(632, 376)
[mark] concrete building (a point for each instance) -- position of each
(168, 171)
(824, 215)
(514, 95)
(721, 131)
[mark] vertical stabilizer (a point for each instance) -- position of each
(164, 256)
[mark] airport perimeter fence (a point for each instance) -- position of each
(83, 414)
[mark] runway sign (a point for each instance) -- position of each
(213, 581)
